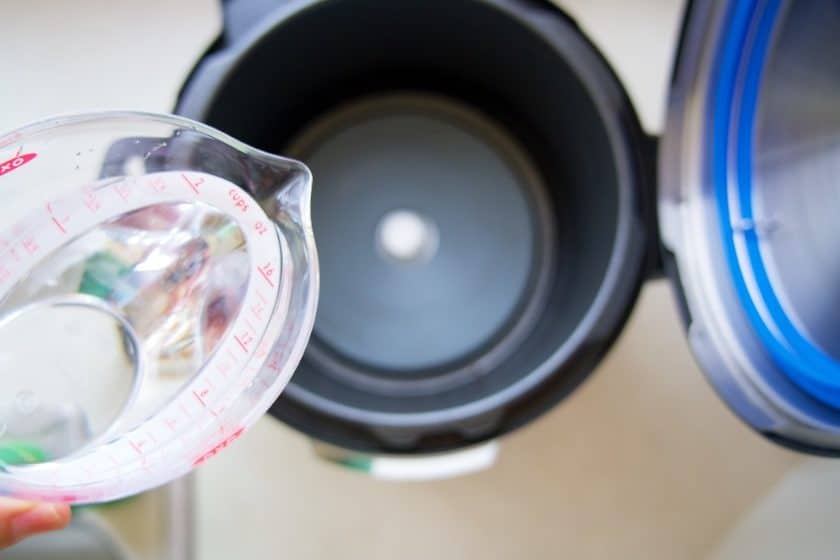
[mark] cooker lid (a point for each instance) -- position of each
(748, 199)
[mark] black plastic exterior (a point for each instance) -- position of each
(246, 21)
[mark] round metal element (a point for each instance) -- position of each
(478, 246)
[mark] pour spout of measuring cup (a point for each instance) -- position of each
(281, 185)
(285, 189)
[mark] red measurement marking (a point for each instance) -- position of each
(30, 245)
(250, 326)
(58, 225)
(274, 363)
(193, 185)
(241, 344)
(238, 200)
(123, 190)
(171, 423)
(198, 397)
(262, 297)
(223, 368)
(266, 271)
(91, 202)
(136, 447)
(184, 410)
(232, 355)
(157, 184)
(17, 161)
(260, 228)
(218, 447)
(4, 273)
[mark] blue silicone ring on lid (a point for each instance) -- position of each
(806, 364)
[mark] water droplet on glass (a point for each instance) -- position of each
(78, 154)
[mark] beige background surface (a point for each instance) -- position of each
(642, 462)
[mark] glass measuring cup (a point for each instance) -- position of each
(158, 285)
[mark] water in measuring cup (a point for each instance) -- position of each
(108, 327)
(158, 285)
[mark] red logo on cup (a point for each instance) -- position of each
(11, 164)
